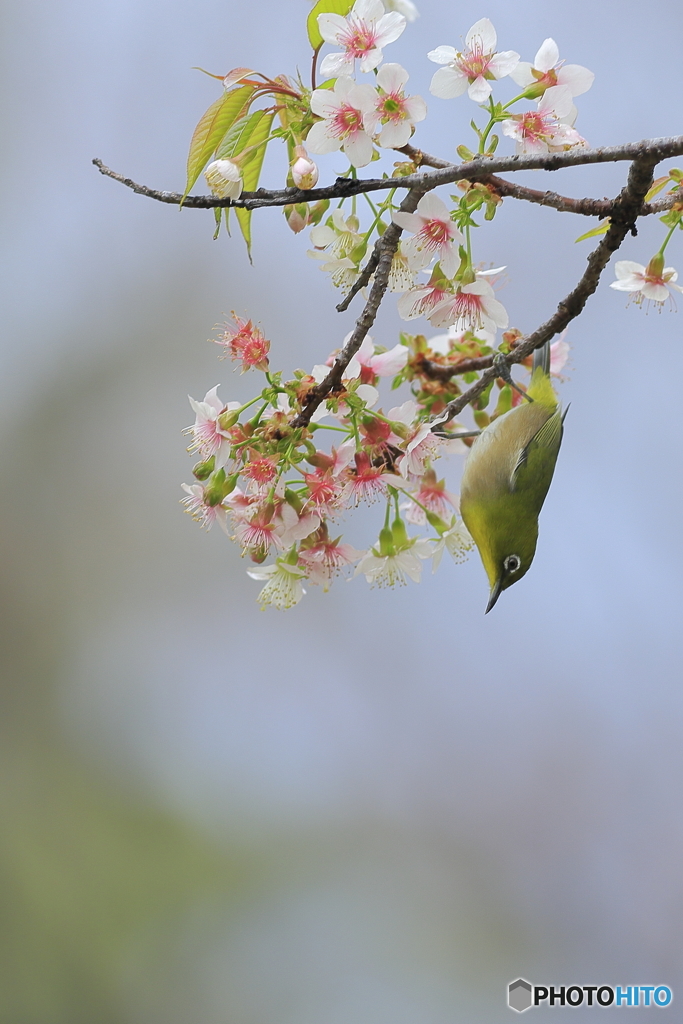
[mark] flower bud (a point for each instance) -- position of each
(214, 492)
(203, 470)
(293, 499)
(224, 178)
(297, 217)
(228, 419)
(304, 170)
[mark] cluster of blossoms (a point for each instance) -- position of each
(262, 474)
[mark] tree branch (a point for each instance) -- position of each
(473, 170)
(332, 382)
(626, 209)
(565, 204)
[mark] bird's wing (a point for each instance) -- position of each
(547, 439)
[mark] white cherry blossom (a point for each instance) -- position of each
(208, 437)
(283, 587)
(362, 34)
(547, 129)
(474, 67)
(472, 307)
(652, 283)
(548, 70)
(224, 179)
(435, 234)
(342, 110)
(405, 7)
(393, 114)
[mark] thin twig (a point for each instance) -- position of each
(626, 209)
(332, 382)
(362, 279)
(473, 170)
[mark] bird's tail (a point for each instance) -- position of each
(542, 359)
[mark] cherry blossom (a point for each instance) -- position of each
(255, 527)
(559, 353)
(206, 515)
(472, 307)
(423, 300)
(393, 114)
(434, 234)
(368, 365)
(283, 587)
(548, 70)
(432, 494)
(333, 244)
(544, 130)
(364, 483)
(457, 540)
(391, 568)
(323, 558)
(401, 276)
(246, 343)
(362, 34)
(224, 179)
(209, 438)
(474, 67)
(342, 110)
(652, 283)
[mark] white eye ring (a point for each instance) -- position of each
(512, 563)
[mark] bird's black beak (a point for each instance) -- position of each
(495, 594)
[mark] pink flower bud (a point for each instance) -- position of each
(296, 221)
(224, 178)
(304, 170)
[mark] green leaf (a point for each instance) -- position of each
(212, 127)
(325, 7)
(252, 171)
(601, 229)
(657, 185)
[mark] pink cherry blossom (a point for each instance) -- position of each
(369, 365)
(255, 528)
(304, 170)
(422, 301)
(548, 70)
(364, 483)
(474, 67)
(393, 114)
(246, 343)
(545, 130)
(292, 526)
(362, 34)
(652, 283)
(434, 235)
(472, 307)
(208, 437)
(342, 110)
(325, 558)
(324, 492)
(206, 515)
(433, 495)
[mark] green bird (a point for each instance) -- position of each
(506, 478)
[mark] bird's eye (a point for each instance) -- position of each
(512, 563)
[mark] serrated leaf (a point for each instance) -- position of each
(601, 229)
(657, 185)
(252, 170)
(325, 7)
(211, 128)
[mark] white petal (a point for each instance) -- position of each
(503, 63)
(627, 268)
(408, 304)
(416, 108)
(656, 292)
(371, 59)
(392, 77)
(336, 64)
(395, 136)
(627, 285)
(443, 54)
(212, 399)
(522, 74)
(358, 148)
(670, 274)
(408, 221)
(322, 235)
(368, 394)
(388, 364)
(363, 98)
(547, 56)
(497, 312)
(577, 78)
(482, 34)
(320, 141)
(324, 103)
(557, 99)
(389, 28)
(449, 259)
(368, 10)
(447, 83)
(330, 25)
(431, 207)
(479, 90)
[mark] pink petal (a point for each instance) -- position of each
(408, 221)
(388, 364)
(557, 100)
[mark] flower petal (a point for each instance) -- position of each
(330, 26)
(522, 74)
(501, 64)
(336, 65)
(577, 78)
(547, 55)
(482, 35)
(392, 77)
(395, 136)
(443, 55)
(627, 268)
(479, 90)
(447, 83)
(389, 28)
(320, 140)
(358, 148)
